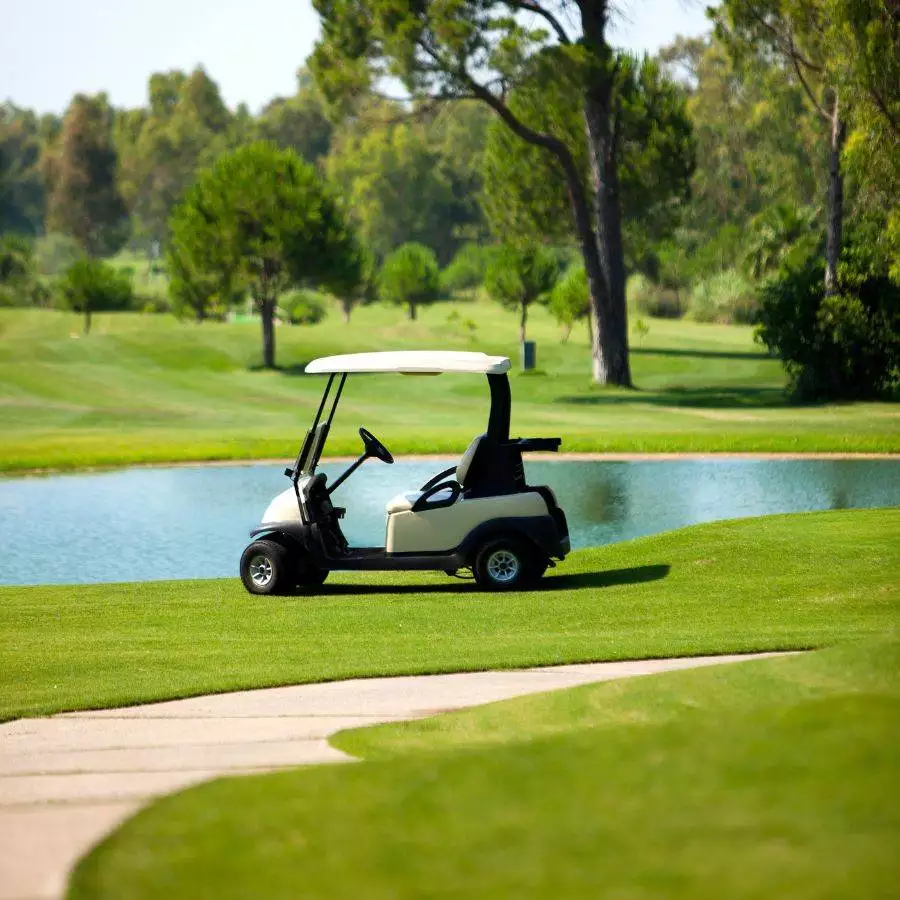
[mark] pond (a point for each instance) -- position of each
(192, 522)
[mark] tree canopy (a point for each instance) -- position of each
(520, 274)
(261, 220)
(410, 277)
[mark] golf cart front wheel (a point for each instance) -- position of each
(265, 568)
(502, 565)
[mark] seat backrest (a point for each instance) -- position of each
(465, 463)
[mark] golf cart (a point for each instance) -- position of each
(479, 514)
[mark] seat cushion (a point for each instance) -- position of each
(402, 502)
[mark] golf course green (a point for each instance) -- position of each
(768, 778)
(144, 388)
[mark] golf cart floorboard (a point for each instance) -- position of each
(374, 558)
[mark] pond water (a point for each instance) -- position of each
(192, 522)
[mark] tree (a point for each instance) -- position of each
(395, 186)
(525, 188)
(262, 220)
(299, 122)
(480, 49)
(795, 32)
(21, 184)
(570, 300)
(80, 170)
(91, 285)
(757, 141)
(410, 277)
(519, 275)
(777, 234)
(838, 346)
(162, 148)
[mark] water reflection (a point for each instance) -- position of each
(143, 524)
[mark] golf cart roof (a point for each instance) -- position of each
(411, 362)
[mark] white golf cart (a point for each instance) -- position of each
(478, 514)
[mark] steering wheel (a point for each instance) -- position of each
(374, 447)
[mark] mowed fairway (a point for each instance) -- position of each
(778, 583)
(761, 779)
(147, 388)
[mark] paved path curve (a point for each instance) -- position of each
(68, 780)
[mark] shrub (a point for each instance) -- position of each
(649, 299)
(841, 347)
(725, 297)
(302, 307)
(90, 285)
(466, 270)
(17, 281)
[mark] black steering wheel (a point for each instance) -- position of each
(375, 448)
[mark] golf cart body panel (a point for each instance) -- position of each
(480, 513)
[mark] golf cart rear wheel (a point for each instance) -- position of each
(265, 568)
(502, 565)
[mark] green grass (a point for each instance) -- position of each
(148, 388)
(766, 779)
(782, 582)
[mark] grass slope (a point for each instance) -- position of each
(763, 779)
(148, 388)
(758, 584)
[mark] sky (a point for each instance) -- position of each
(53, 49)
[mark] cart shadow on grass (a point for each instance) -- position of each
(549, 584)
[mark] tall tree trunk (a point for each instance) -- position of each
(412, 311)
(87, 319)
(523, 321)
(346, 308)
(267, 317)
(610, 339)
(835, 200)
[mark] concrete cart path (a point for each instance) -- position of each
(68, 780)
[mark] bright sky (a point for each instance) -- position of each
(52, 49)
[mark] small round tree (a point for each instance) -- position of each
(90, 285)
(570, 300)
(410, 277)
(261, 220)
(519, 275)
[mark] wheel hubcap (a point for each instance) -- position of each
(260, 570)
(503, 566)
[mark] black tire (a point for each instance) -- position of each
(265, 568)
(502, 564)
(308, 575)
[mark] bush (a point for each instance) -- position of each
(725, 297)
(90, 286)
(649, 299)
(466, 271)
(841, 347)
(302, 307)
(17, 281)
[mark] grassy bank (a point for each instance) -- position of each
(148, 388)
(782, 582)
(764, 779)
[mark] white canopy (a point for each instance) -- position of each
(411, 362)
